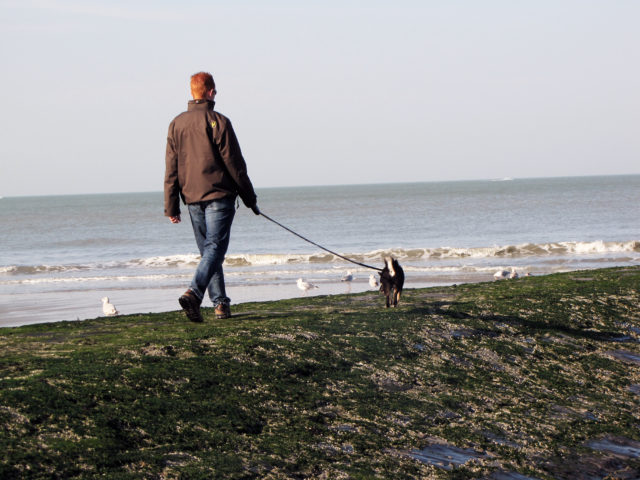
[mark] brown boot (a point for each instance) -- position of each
(223, 310)
(191, 306)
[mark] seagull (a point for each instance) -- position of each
(500, 274)
(373, 281)
(304, 286)
(348, 277)
(108, 308)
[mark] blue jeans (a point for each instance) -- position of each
(211, 223)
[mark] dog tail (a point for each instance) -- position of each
(389, 263)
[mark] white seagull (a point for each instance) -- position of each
(348, 277)
(304, 286)
(108, 308)
(501, 274)
(373, 281)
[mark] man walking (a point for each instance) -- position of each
(205, 167)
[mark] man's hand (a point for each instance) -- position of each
(175, 219)
(255, 209)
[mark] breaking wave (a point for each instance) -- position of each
(525, 250)
(510, 251)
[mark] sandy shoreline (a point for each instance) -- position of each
(27, 309)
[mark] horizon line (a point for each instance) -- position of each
(492, 179)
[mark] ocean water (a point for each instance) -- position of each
(60, 255)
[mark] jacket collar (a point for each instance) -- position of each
(200, 104)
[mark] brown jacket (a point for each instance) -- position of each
(203, 160)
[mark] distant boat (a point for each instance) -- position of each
(503, 179)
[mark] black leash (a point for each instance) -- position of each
(319, 246)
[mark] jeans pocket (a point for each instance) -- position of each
(223, 204)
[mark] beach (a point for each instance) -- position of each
(62, 254)
(526, 379)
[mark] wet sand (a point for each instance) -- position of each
(16, 310)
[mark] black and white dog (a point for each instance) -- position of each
(391, 281)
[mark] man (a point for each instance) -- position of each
(205, 167)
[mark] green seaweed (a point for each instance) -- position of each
(525, 372)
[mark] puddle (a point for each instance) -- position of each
(510, 476)
(499, 440)
(618, 446)
(635, 388)
(591, 416)
(445, 456)
(625, 356)
(468, 333)
(623, 339)
(599, 466)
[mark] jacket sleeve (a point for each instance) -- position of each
(236, 166)
(171, 183)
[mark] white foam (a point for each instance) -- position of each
(118, 278)
(167, 261)
(189, 261)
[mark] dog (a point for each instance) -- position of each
(391, 281)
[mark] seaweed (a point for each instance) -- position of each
(534, 378)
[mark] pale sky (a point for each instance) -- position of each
(320, 92)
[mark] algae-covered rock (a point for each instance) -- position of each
(534, 378)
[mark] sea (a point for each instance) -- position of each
(60, 255)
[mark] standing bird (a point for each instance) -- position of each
(373, 281)
(500, 274)
(108, 308)
(305, 286)
(348, 277)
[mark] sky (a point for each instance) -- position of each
(320, 92)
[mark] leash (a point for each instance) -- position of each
(320, 246)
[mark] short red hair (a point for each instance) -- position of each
(201, 83)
